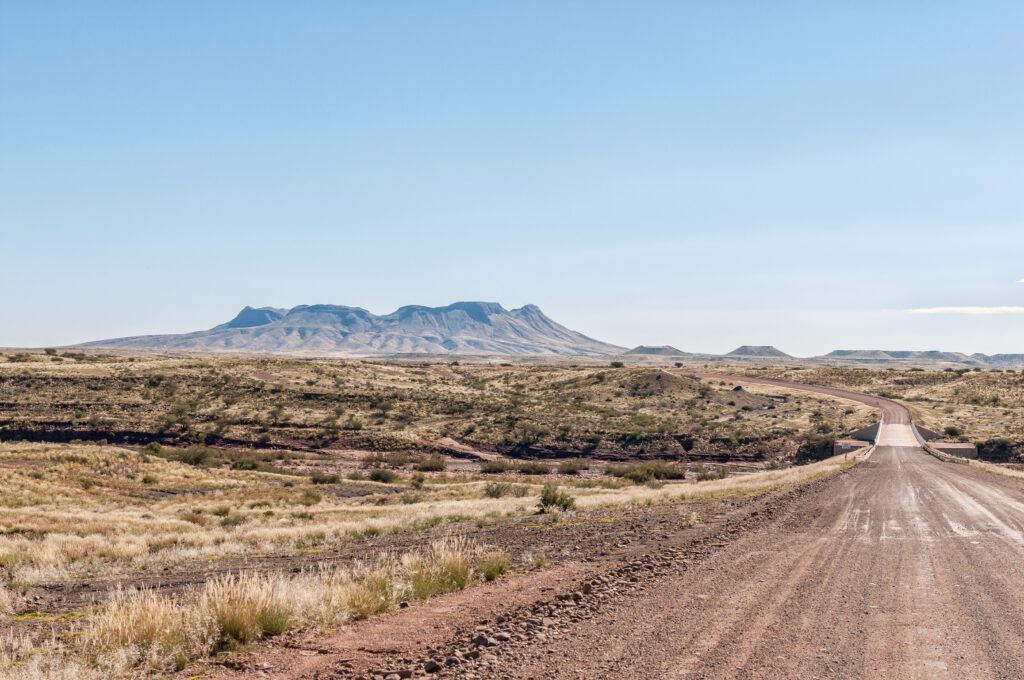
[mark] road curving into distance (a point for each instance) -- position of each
(905, 567)
(896, 425)
(901, 567)
(893, 412)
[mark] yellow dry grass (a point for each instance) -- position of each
(140, 632)
(54, 527)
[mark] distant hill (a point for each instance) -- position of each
(459, 328)
(1000, 360)
(928, 357)
(661, 351)
(859, 355)
(762, 351)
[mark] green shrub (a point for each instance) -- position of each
(815, 446)
(383, 476)
(573, 466)
(996, 449)
(533, 468)
(497, 489)
(551, 497)
(324, 478)
(707, 473)
(434, 463)
(641, 473)
(495, 466)
(195, 455)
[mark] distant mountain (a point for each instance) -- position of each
(859, 355)
(762, 351)
(249, 317)
(1000, 360)
(925, 359)
(661, 351)
(459, 328)
(877, 356)
(933, 355)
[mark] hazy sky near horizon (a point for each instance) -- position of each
(698, 174)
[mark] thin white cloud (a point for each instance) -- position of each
(1021, 281)
(967, 310)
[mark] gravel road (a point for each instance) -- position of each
(903, 567)
(907, 567)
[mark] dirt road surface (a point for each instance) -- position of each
(903, 567)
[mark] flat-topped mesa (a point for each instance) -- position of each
(659, 350)
(762, 351)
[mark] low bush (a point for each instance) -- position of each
(195, 455)
(383, 476)
(573, 466)
(324, 478)
(495, 466)
(815, 446)
(706, 473)
(497, 489)
(998, 450)
(434, 463)
(532, 468)
(641, 473)
(551, 497)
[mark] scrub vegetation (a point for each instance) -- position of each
(982, 407)
(155, 512)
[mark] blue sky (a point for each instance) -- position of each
(697, 174)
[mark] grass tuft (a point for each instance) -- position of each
(141, 628)
(247, 607)
(494, 563)
(445, 567)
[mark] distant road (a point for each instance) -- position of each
(893, 413)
